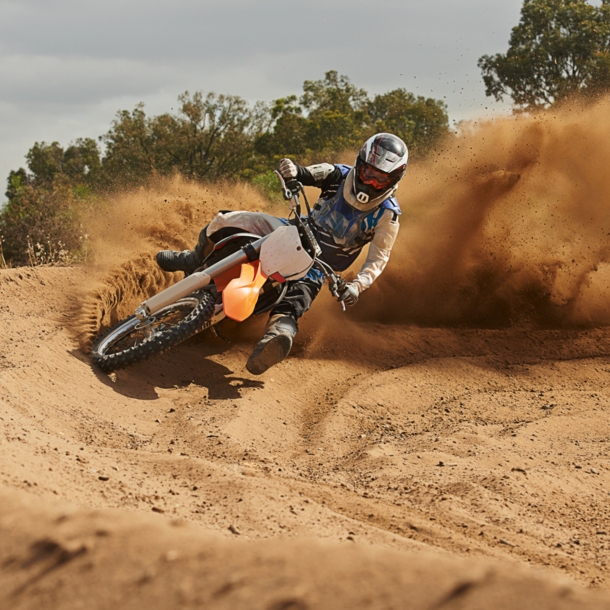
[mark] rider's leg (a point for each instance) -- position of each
(257, 223)
(275, 344)
(282, 328)
(189, 260)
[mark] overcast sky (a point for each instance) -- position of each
(67, 66)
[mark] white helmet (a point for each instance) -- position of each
(380, 164)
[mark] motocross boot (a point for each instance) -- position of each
(187, 260)
(275, 344)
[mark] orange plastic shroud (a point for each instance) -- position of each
(240, 295)
(223, 279)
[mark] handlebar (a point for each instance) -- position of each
(289, 189)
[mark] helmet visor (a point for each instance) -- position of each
(374, 177)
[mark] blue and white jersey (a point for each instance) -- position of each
(341, 229)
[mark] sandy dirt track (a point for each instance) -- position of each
(66, 558)
(442, 445)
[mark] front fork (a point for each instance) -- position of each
(336, 285)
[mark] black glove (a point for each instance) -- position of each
(350, 294)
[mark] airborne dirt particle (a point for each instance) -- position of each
(514, 233)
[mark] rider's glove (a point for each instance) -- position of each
(350, 294)
(288, 169)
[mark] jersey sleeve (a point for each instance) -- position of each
(379, 250)
(321, 175)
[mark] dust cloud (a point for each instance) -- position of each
(129, 230)
(508, 225)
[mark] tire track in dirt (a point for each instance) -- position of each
(194, 435)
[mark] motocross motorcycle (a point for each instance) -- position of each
(245, 275)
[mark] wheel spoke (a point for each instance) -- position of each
(124, 344)
(165, 322)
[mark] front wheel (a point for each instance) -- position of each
(134, 340)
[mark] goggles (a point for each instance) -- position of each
(371, 176)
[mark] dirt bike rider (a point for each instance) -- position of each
(356, 207)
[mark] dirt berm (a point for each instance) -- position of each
(62, 557)
(444, 444)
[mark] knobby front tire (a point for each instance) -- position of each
(132, 340)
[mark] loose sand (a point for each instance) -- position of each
(442, 445)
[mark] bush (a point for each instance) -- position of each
(42, 225)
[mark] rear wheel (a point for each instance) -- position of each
(134, 340)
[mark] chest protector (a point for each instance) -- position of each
(342, 230)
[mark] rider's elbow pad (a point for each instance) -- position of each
(320, 171)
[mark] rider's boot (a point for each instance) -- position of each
(275, 344)
(187, 260)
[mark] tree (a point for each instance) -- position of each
(209, 138)
(45, 202)
(330, 116)
(41, 224)
(129, 149)
(419, 121)
(15, 182)
(286, 134)
(79, 163)
(333, 93)
(333, 115)
(559, 48)
(217, 135)
(336, 112)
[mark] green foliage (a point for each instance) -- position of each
(42, 220)
(79, 163)
(334, 93)
(210, 137)
(46, 219)
(268, 183)
(129, 156)
(559, 48)
(419, 121)
(16, 183)
(333, 116)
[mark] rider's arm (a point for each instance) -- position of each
(321, 175)
(379, 250)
